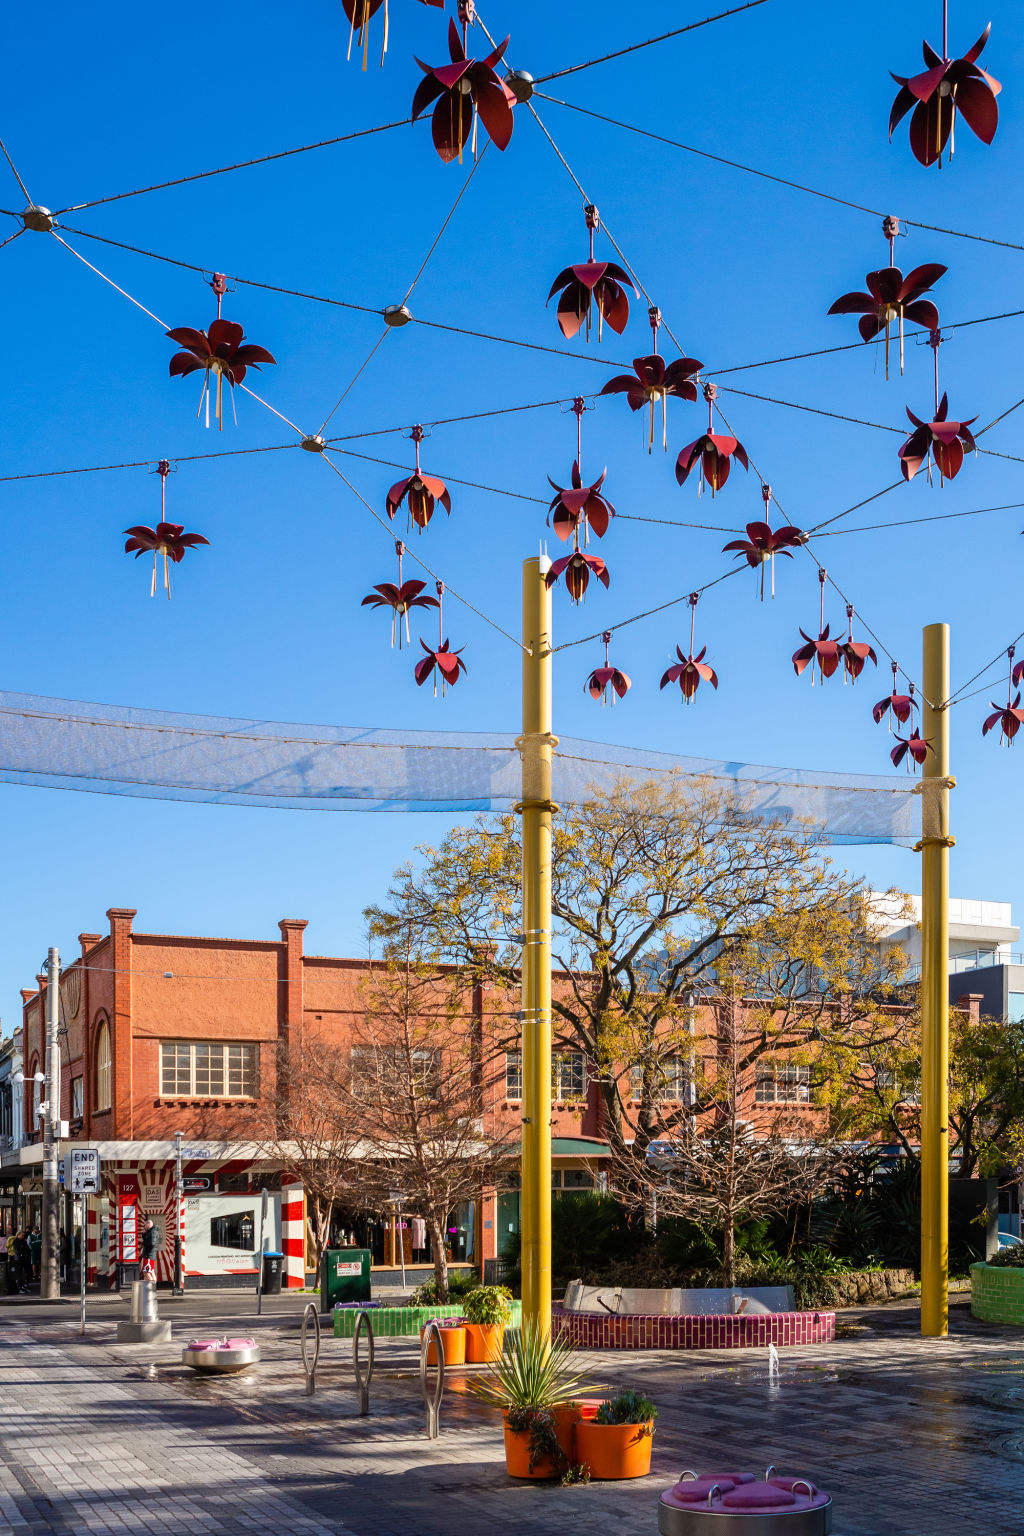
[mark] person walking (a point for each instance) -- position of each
(150, 1242)
(35, 1246)
(22, 1262)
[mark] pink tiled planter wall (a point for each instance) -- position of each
(691, 1331)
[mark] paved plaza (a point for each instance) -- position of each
(913, 1438)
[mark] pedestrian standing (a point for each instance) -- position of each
(149, 1249)
(35, 1245)
(22, 1262)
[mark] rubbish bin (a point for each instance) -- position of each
(344, 1276)
(273, 1273)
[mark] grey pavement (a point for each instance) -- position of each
(913, 1437)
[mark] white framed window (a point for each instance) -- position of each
(208, 1069)
(103, 1067)
(782, 1084)
(77, 1098)
(513, 1074)
(568, 1075)
(671, 1082)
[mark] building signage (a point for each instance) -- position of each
(82, 1171)
(346, 1267)
(190, 1185)
(152, 1197)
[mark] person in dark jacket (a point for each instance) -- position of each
(22, 1262)
(150, 1242)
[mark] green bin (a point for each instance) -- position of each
(344, 1276)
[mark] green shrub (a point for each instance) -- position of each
(630, 1407)
(1009, 1258)
(488, 1304)
(459, 1285)
(589, 1229)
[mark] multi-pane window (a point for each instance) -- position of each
(782, 1084)
(513, 1074)
(426, 1072)
(667, 1079)
(378, 1070)
(568, 1075)
(208, 1070)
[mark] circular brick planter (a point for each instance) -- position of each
(997, 1294)
(633, 1330)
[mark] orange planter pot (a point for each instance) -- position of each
(615, 1450)
(566, 1422)
(484, 1342)
(517, 1456)
(453, 1346)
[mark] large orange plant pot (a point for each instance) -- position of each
(566, 1421)
(517, 1456)
(453, 1346)
(615, 1450)
(484, 1342)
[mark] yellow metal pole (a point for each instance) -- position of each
(935, 845)
(536, 745)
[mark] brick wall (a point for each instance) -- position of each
(997, 1294)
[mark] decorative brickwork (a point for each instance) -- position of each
(997, 1294)
(692, 1331)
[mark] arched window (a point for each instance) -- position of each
(102, 1067)
(36, 1123)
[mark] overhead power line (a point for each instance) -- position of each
(618, 53)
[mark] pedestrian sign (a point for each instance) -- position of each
(82, 1171)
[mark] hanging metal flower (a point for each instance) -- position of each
(599, 285)
(895, 704)
(597, 683)
(944, 88)
(762, 543)
(457, 89)
(420, 492)
(579, 505)
(218, 351)
(713, 452)
(856, 653)
(692, 670)
(944, 439)
(823, 651)
(892, 298)
(361, 12)
(167, 539)
(914, 747)
(653, 379)
(1009, 716)
(442, 662)
(577, 569)
(399, 597)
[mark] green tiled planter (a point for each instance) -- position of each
(404, 1322)
(997, 1294)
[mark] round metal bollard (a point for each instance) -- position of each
(310, 1365)
(432, 1335)
(737, 1504)
(363, 1382)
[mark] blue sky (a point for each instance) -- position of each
(267, 621)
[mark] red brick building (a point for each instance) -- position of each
(166, 1034)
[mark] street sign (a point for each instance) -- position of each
(82, 1171)
(196, 1154)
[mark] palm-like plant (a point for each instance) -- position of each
(535, 1372)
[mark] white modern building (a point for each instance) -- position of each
(981, 933)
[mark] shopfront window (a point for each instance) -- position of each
(237, 1230)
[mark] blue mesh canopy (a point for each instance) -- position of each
(100, 748)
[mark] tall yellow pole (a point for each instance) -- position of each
(536, 745)
(935, 845)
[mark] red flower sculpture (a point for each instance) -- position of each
(891, 297)
(915, 746)
(167, 539)
(458, 88)
(856, 653)
(945, 440)
(827, 653)
(420, 492)
(399, 597)
(653, 379)
(713, 452)
(577, 569)
(762, 544)
(442, 662)
(899, 704)
(692, 670)
(946, 86)
(1008, 716)
(361, 12)
(218, 351)
(579, 504)
(597, 683)
(592, 284)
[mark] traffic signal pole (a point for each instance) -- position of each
(536, 746)
(935, 845)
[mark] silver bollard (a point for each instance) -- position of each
(309, 1365)
(143, 1302)
(432, 1334)
(363, 1382)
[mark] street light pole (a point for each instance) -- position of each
(935, 845)
(179, 1279)
(49, 1273)
(536, 746)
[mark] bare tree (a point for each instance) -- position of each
(422, 1077)
(307, 1133)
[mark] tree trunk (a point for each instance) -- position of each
(436, 1230)
(729, 1252)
